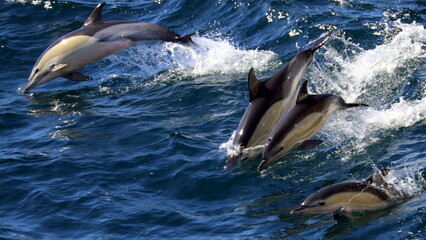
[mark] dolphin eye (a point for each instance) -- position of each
(321, 203)
(36, 71)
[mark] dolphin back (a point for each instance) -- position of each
(134, 31)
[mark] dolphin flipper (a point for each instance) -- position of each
(347, 213)
(308, 144)
(77, 77)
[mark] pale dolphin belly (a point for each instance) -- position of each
(80, 50)
(354, 201)
(269, 120)
(304, 130)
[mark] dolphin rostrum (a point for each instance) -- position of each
(96, 39)
(295, 129)
(271, 99)
(370, 195)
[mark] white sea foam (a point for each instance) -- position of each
(220, 56)
(206, 56)
(386, 66)
(400, 184)
(375, 76)
(47, 4)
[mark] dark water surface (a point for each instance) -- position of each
(138, 152)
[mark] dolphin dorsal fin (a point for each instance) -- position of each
(96, 16)
(254, 84)
(303, 92)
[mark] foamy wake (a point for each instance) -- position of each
(377, 77)
(210, 56)
(171, 61)
(47, 4)
(402, 184)
(380, 69)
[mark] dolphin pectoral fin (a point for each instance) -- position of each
(254, 84)
(308, 144)
(58, 67)
(77, 77)
(347, 213)
(336, 216)
(96, 16)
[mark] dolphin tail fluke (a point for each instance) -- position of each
(187, 39)
(317, 43)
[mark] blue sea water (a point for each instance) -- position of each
(139, 152)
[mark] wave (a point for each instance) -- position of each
(401, 184)
(46, 4)
(382, 77)
(205, 57)
(383, 68)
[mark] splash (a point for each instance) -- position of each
(380, 77)
(383, 68)
(219, 57)
(167, 61)
(400, 184)
(47, 4)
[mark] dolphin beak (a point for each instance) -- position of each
(297, 210)
(262, 165)
(30, 85)
(35, 80)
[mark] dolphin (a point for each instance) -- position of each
(370, 195)
(271, 99)
(295, 129)
(96, 39)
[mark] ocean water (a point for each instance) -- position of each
(139, 151)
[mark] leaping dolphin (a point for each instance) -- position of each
(271, 99)
(96, 39)
(348, 197)
(295, 129)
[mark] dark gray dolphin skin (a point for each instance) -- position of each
(295, 129)
(96, 39)
(271, 99)
(370, 195)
